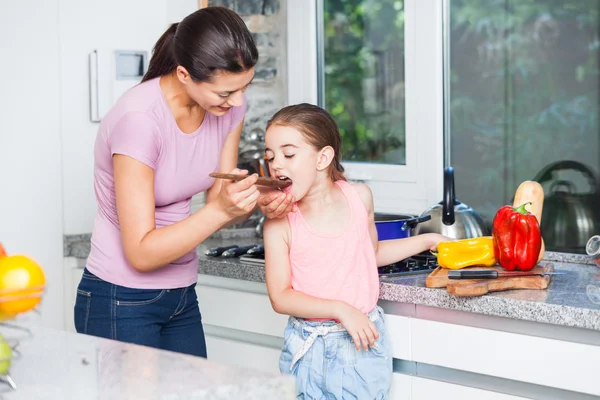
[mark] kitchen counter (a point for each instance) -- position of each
(60, 365)
(520, 344)
(571, 300)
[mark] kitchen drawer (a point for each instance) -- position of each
(399, 332)
(238, 309)
(243, 355)
(427, 389)
(401, 386)
(537, 360)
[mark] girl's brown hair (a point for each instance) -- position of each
(319, 129)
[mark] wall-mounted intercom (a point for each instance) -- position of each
(111, 74)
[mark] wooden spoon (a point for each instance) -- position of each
(261, 181)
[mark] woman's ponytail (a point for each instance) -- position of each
(207, 41)
(163, 60)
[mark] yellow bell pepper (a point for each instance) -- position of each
(464, 253)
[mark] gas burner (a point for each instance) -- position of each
(419, 263)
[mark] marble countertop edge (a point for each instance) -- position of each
(494, 306)
(566, 302)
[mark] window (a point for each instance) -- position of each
(363, 71)
(504, 91)
(376, 66)
(524, 98)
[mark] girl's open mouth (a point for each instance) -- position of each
(287, 180)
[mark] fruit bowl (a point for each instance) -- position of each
(22, 285)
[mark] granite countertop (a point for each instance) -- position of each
(55, 364)
(572, 299)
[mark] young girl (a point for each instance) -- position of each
(321, 263)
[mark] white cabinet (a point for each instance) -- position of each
(398, 328)
(401, 387)
(241, 327)
(427, 389)
(229, 307)
(537, 360)
(233, 352)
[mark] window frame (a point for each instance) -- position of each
(410, 188)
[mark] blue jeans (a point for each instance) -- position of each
(167, 319)
(331, 367)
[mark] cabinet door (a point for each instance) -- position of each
(519, 357)
(238, 309)
(401, 386)
(427, 389)
(241, 354)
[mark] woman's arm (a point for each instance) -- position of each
(148, 248)
(284, 299)
(391, 251)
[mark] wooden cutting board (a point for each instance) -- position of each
(478, 287)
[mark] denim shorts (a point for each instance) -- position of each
(331, 367)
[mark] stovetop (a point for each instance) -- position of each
(420, 263)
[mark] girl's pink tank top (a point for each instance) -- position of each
(340, 266)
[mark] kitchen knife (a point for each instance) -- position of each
(217, 251)
(492, 274)
(257, 250)
(238, 251)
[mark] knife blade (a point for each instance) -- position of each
(217, 251)
(257, 250)
(493, 274)
(236, 252)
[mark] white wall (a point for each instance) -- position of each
(46, 138)
(30, 163)
(85, 26)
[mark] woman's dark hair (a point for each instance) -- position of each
(318, 127)
(208, 40)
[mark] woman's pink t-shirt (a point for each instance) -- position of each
(142, 126)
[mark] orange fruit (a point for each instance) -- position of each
(2, 251)
(22, 282)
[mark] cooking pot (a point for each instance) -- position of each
(569, 218)
(390, 226)
(452, 218)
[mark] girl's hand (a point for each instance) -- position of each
(359, 326)
(238, 198)
(437, 238)
(276, 204)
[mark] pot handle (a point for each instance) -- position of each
(546, 174)
(449, 198)
(570, 188)
(411, 223)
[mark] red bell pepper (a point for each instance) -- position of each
(517, 238)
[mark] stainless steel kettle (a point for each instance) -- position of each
(569, 218)
(452, 218)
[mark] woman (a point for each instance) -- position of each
(154, 151)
